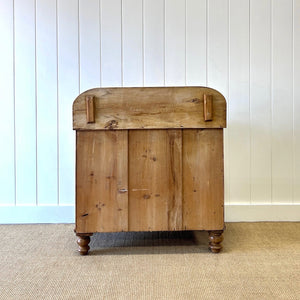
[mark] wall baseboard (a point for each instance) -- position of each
(262, 212)
(37, 214)
(66, 214)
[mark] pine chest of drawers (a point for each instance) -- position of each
(149, 159)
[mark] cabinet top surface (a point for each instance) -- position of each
(149, 108)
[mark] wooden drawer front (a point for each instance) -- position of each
(149, 180)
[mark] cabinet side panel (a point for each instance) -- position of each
(203, 179)
(102, 181)
(155, 184)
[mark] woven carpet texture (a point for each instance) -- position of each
(259, 261)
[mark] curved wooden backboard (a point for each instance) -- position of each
(149, 108)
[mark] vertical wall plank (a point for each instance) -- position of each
(296, 111)
(89, 37)
(282, 91)
(217, 64)
(25, 102)
(175, 66)
(132, 43)
(154, 42)
(196, 42)
(7, 162)
(217, 60)
(260, 101)
(46, 72)
(238, 104)
(111, 43)
(68, 89)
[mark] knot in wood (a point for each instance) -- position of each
(112, 124)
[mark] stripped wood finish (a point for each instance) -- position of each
(90, 109)
(149, 108)
(203, 179)
(101, 181)
(138, 168)
(208, 107)
(155, 173)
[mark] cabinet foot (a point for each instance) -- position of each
(215, 239)
(83, 242)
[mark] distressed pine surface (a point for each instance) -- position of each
(151, 161)
(101, 181)
(155, 180)
(203, 179)
(149, 108)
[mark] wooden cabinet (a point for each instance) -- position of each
(149, 159)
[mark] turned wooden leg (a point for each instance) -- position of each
(83, 242)
(215, 239)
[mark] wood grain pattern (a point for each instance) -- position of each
(203, 179)
(149, 179)
(155, 185)
(90, 109)
(101, 181)
(149, 108)
(208, 107)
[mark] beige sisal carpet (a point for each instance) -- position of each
(259, 261)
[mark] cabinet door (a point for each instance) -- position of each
(101, 181)
(203, 179)
(155, 180)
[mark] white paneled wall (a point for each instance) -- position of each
(7, 100)
(25, 102)
(46, 104)
(296, 101)
(260, 104)
(51, 50)
(154, 42)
